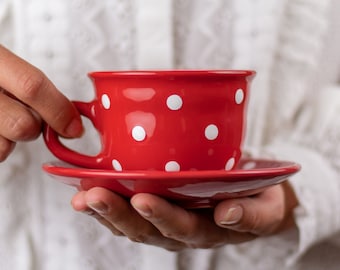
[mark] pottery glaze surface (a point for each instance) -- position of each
(190, 189)
(164, 120)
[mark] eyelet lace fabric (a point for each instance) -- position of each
(67, 39)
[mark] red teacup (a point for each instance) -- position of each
(163, 120)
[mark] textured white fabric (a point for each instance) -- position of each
(293, 46)
(154, 34)
(3, 8)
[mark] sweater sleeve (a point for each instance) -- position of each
(315, 145)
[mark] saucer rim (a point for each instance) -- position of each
(284, 167)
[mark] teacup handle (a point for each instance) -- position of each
(64, 153)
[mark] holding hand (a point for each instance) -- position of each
(152, 220)
(27, 97)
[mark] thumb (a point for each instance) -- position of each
(262, 214)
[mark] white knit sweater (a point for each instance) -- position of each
(292, 44)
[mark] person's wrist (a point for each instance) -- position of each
(290, 202)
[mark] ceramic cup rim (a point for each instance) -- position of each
(173, 73)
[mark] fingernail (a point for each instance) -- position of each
(89, 212)
(99, 207)
(143, 210)
(233, 216)
(75, 128)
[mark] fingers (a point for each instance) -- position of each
(116, 214)
(152, 220)
(17, 122)
(79, 204)
(34, 89)
(261, 215)
(194, 228)
(6, 147)
(180, 224)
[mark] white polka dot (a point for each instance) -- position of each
(172, 166)
(211, 132)
(230, 164)
(138, 133)
(174, 102)
(116, 165)
(106, 101)
(239, 96)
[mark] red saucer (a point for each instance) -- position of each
(190, 189)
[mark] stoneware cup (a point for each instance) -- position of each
(163, 120)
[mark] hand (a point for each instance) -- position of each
(152, 220)
(27, 97)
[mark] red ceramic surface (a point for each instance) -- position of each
(190, 189)
(164, 120)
